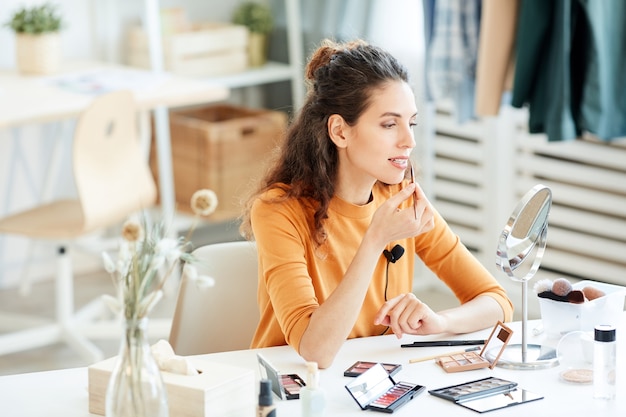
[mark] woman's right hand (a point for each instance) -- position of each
(391, 223)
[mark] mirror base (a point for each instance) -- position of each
(537, 357)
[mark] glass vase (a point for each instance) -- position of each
(136, 388)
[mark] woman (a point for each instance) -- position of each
(330, 211)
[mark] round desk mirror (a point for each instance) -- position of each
(519, 253)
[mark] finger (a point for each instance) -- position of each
(382, 315)
(423, 212)
(412, 315)
(419, 194)
(404, 194)
(427, 220)
(397, 315)
(415, 320)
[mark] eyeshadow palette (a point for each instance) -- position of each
(463, 362)
(474, 389)
(291, 385)
(285, 386)
(376, 390)
(466, 361)
(361, 366)
(486, 394)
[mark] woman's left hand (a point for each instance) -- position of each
(406, 314)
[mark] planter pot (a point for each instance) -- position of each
(257, 49)
(38, 54)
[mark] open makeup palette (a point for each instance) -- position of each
(486, 394)
(376, 390)
(466, 361)
(285, 386)
(360, 367)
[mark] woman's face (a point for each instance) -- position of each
(379, 144)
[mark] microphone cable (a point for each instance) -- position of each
(391, 256)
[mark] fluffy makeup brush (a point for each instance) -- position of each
(592, 293)
(561, 287)
(543, 285)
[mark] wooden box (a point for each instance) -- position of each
(208, 49)
(219, 390)
(222, 147)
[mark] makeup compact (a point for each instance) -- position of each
(376, 390)
(285, 386)
(486, 394)
(466, 361)
(361, 366)
(473, 389)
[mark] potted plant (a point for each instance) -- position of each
(38, 43)
(258, 19)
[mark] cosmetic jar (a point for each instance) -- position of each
(312, 396)
(575, 355)
(604, 361)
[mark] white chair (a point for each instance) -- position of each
(113, 181)
(225, 316)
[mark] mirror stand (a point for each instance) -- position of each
(524, 234)
(524, 355)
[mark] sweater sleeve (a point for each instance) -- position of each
(286, 294)
(444, 254)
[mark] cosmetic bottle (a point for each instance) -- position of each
(312, 396)
(604, 361)
(266, 408)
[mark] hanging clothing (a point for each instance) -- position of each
(451, 54)
(542, 73)
(495, 62)
(570, 67)
(603, 105)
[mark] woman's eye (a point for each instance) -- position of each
(388, 125)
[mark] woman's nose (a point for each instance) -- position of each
(408, 137)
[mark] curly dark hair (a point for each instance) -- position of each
(340, 80)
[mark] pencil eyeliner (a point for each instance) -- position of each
(427, 358)
(429, 343)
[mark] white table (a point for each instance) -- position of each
(65, 392)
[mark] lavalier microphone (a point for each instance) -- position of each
(392, 256)
(395, 253)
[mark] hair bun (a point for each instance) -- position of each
(319, 59)
(324, 54)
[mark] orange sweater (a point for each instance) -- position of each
(295, 277)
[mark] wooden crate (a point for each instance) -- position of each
(207, 49)
(222, 147)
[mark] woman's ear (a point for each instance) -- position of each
(338, 130)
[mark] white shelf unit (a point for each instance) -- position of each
(273, 71)
(269, 73)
